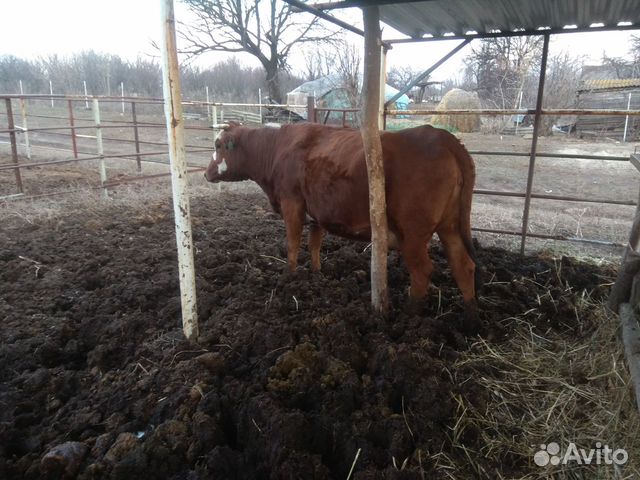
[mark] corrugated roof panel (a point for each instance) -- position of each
(437, 17)
(609, 83)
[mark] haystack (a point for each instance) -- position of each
(458, 99)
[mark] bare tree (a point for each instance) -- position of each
(400, 77)
(318, 62)
(266, 29)
(348, 62)
(501, 68)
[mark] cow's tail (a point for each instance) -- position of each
(468, 169)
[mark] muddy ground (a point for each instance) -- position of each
(292, 375)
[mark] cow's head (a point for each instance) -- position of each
(225, 162)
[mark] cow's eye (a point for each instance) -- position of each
(218, 145)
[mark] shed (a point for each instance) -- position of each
(600, 89)
(332, 91)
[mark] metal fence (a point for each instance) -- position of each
(76, 125)
(77, 119)
(321, 115)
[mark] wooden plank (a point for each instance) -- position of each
(373, 155)
(631, 342)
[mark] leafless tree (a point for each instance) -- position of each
(318, 62)
(266, 29)
(502, 67)
(348, 62)
(400, 77)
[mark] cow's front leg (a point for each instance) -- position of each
(316, 233)
(293, 215)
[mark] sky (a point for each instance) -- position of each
(33, 28)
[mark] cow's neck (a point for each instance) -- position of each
(260, 147)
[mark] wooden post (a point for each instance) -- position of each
(101, 165)
(624, 299)
(74, 143)
(25, 126)
(373, 155)
(311, 109)
(136, 136)
(14, 144)
(179, 179)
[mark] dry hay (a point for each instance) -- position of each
(458, 99)
(545, 388)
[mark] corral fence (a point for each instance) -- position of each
(321, 115)
(128, 129)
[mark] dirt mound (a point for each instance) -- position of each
(293, 374)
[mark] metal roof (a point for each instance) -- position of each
(446, 19)
(442, 18)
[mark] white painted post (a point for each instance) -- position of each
(626, 120)
(101, 165)
(179, 180)
(214, 114)
(518, 106)
(51, 92)
(260, 102)
(206, 89)
(86, 97)
(122, 95)
(25, 128)
(21, 90)
(383, 87)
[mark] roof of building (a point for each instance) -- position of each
(612, 83)
(461, 18)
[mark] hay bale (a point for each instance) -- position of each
(456, 99)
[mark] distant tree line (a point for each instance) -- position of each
(228, 80)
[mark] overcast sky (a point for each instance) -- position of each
(33, 28)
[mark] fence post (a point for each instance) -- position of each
(51, 92)
(534, 142)
(311, 109)
(73, 130)
(179, 180)
(14, 144)
(214, 114)
(122, 95)
(206, 89)
(86, 97)
(25, 127)
(102, 167)
(135, 135)
(626, 120)
(260, 104)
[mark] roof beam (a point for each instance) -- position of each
(325, 16)
(427, 72)
(522, 33)
(358, 3)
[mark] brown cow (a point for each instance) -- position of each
(320, 171)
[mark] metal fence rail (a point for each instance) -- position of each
(76, 124)
(322, 114)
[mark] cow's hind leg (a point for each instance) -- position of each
(293, 215)
(416, 257)
(463, 269)
(316, 234)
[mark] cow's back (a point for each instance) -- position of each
(327, 166)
